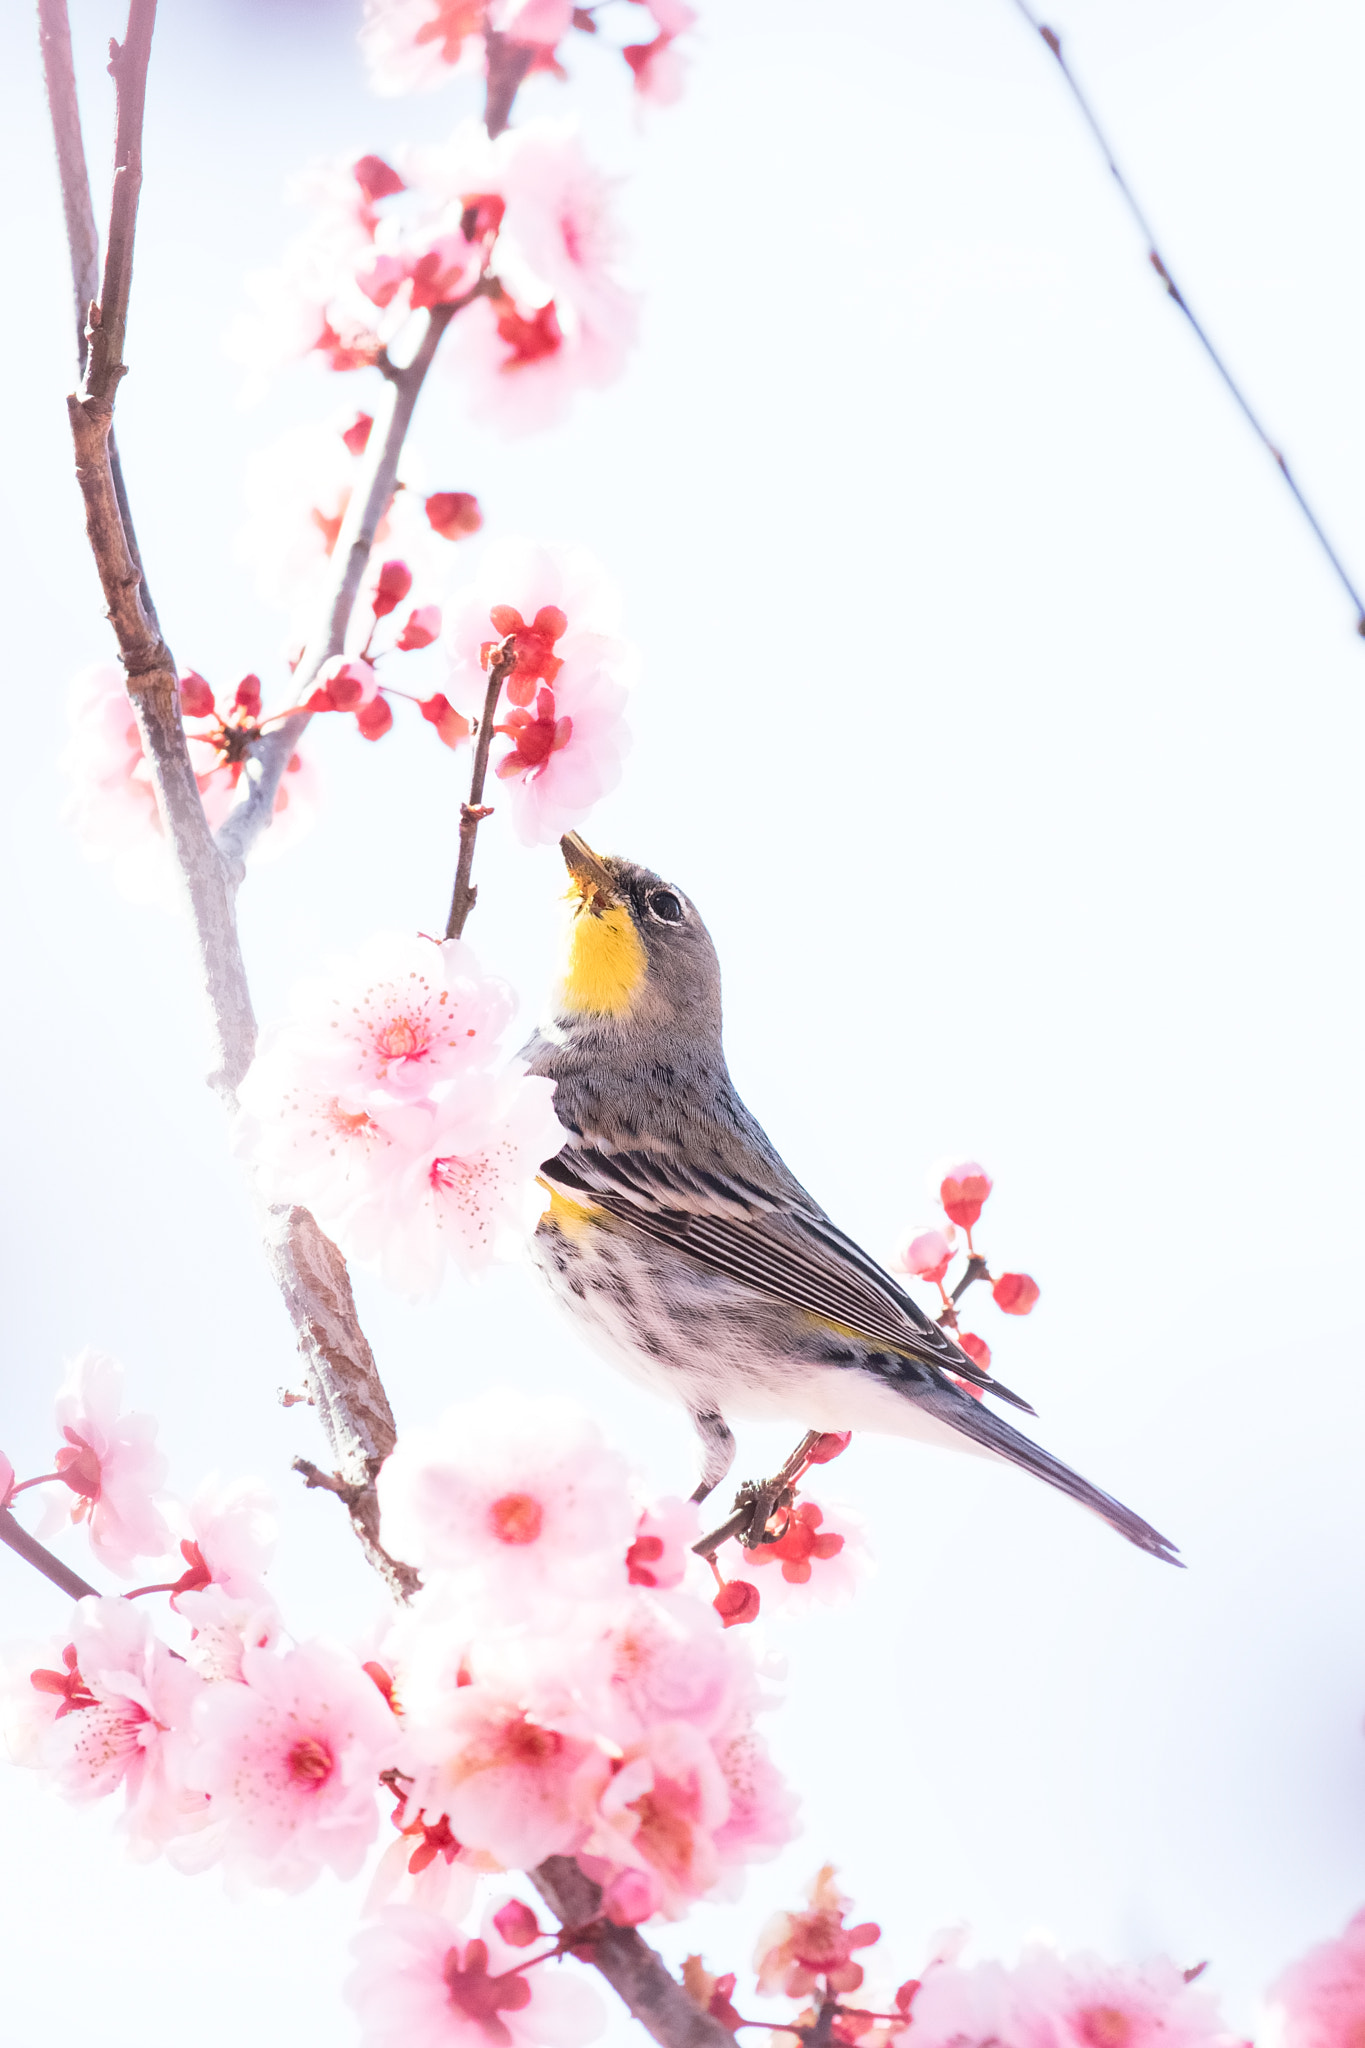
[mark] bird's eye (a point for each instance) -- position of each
(666, 907)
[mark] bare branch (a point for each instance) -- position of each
(473, 813)
(629, 1964)
(369, 502)
(33, 1552)
(508, 64)
(1054, 43)
(82, 238)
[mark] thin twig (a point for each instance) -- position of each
(508, 63)
(33, 1552)
(977, 1269)
(472, 814)
(82, 237)
(1162, 269)
(750, 1497)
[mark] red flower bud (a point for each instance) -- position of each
(1015, 1293)
(452, 727)
(976, 1348)
(374, 718)
(454, 514)
(423, 626)
(643, 1552)
(517, 1924)
(831, 1444)
(357, 435)
(196, 697)
(963, 1191)
(248, 697)
(391, 587)
(737, 1602)
(376, 179)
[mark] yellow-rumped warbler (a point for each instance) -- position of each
(689, 1253)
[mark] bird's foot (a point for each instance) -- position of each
(760, 1514)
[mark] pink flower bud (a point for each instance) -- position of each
(391, 587)
(452, 726)
(454, 514)
(628, 1899)
(517, 1924)
(963, 1191)
(737, 1602)
(376, 179)
(374, 718)
(248, 697)
(347, 684)
(196, 698)
(928, 1254)
(357, 435)
(1015, 1293)
(976, 1348)
(831, 1444)
(423, 626)
(7, 1481)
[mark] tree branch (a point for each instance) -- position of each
(629, 1964)
(33, 1552)
(508, 63)
(472, 814)
(82, 239)
(1159, 265)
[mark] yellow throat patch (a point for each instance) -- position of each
(606, 962)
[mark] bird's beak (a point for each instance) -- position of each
(593, 878)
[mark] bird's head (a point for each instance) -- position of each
(638, 952)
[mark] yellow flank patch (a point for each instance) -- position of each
(606, 963)
(566, 1215)
(842, 1329)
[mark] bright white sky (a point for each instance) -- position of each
(1006, 726)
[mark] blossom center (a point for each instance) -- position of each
(399, 1040)
(1104, 2026)
(310, 1761)
(516, 1518)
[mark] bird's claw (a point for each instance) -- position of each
(763, 1501)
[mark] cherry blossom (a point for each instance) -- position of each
(1319, 2001)
(511, 1784)
(413, 45)
(660, 1813)
(463, 1191)
(420, 1983)
(290, 1759)
(232, 1535)
(762, 1816)
(120, 1703)
(798, 1953)
(1082, 2001)
(816, 1560)
(224, 1626)
(111, 1465)
(524, 1498)
(660, 1553)
(561, 714)
(927, 1254)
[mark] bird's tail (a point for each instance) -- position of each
(974, 1420)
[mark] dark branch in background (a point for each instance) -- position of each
(508, 63)
(1158, 263)
(500, 664)
(33, 1552)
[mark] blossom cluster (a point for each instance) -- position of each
(384, 1103)
(927, 1251)
(513, 234)
(555, 1688)
(413, 45)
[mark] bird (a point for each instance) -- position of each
(686, 1249)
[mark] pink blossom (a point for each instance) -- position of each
(6, 1480)
(1319, 2001)
(1081, 2001)
(821, 1558)
(543, 22)
(290, 1759)
(659, 70)
(122, 1705)
(413, 45)
(927, 1254)
(562, 710)
(420, 1983)
(310, 1143)
(464, 1191)
(659, 1814)
(512, 1786)
(522, 1499)
(224, 1627)
(111, 1465)
(797, 1953)
(232, 1530)
(763, 1808)
(425, 1866)
(668, 1659)
(958, 2007)
(662, 1547)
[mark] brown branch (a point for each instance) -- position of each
(508, 63)
(977, 1269)
(472, 814)
(33, 1552)
(755, 1504)
(1054, 43)
(631, 1967)
(82, 238)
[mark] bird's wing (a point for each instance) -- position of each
(789, 1251)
